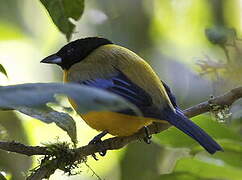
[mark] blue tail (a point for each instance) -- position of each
(180, 121)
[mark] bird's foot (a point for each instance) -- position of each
(148, 137)
(97, 140)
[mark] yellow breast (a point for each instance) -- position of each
(115, 123)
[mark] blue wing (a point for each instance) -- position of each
(121, 85)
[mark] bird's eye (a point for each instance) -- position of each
(70, 51)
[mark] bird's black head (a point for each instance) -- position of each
(75, 51)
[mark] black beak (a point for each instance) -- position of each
(52, 59)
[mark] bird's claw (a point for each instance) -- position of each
(102, 150)
(97, 140)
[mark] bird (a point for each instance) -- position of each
(99, 63)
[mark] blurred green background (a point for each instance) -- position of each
(170, 35)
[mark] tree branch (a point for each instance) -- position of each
(226, 99)
(81, 153)
(23, 149)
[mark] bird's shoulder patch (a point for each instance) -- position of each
(120, 84)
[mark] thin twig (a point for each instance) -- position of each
(44, 171)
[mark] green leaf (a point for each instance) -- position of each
(61, 11)
(175, 138)
(230, 158)
(86, 98)
(48, 115)
(31, 99)
(179, 176)
(2, 70)
(207, 170)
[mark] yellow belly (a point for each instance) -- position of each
(115, 123)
